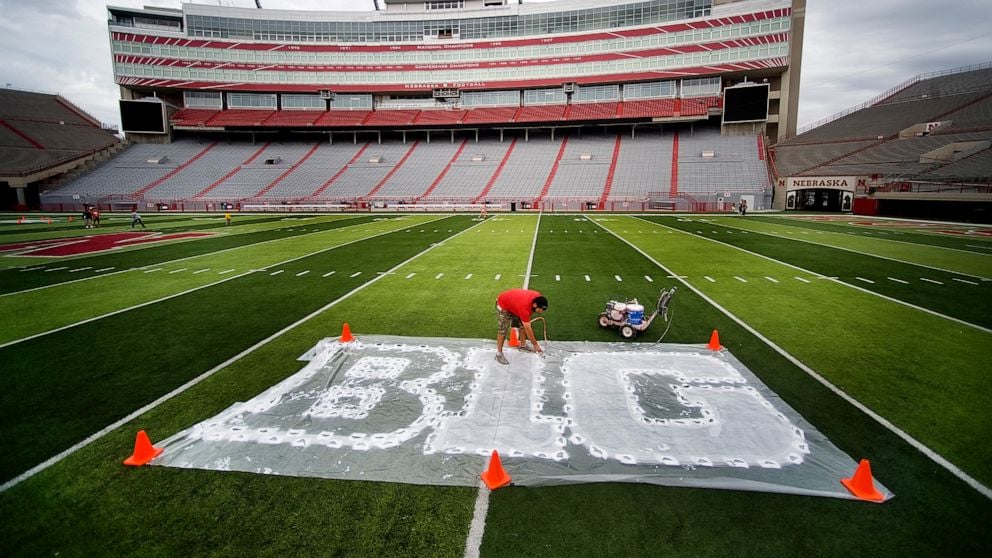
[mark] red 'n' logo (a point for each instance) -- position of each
(91, 244)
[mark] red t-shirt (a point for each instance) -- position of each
(519, 302)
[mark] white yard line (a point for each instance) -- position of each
(936, 457)
(110, 428)
(478, 526)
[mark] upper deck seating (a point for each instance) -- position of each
(646, 107)
(293, 118)
(240, 117)
(540, 113)
(392, 117)
(592, 111)
(193, 117)
(343, 118)
(440, 116)
(489, 115)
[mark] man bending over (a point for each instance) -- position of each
(514, 309)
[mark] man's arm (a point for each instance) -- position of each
(529, 331)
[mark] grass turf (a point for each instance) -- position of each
(104, 508)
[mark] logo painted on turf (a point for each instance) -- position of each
(92, 244)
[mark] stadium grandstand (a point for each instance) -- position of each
(45, 136)
(565, 105)
(921, 149)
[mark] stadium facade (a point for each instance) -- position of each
(462, 53)
(459, 65)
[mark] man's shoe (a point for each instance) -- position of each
(526, 348)
(501, 359)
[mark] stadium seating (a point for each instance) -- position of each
(591, 111)
(293, 118)
(343, 118)
(489, 115)
(734, 166)
(415, 176)
(540, 113)
(193, 117)
(644, 165)
(40, 131)
(240, 117)
(392, 118)
(886, 137)
(526, 170)
(583, 168)
(646, 108)
(513, 170)
(468, 175)
(430, 117)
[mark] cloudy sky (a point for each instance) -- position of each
(853, 49)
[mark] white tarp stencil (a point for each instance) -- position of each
(430, 411)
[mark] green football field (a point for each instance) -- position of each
(878, 332)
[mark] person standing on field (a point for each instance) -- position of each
(136, 219)
(514, 308)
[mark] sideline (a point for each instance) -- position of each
(934, 456)
(114, 426)
(478, 526)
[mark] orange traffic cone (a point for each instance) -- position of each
(49, 220)
(514, 341)
(346, 336)
(144, 451)
(714, 344)
(495, 477)
(862, 485)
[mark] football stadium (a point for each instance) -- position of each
(493, 278)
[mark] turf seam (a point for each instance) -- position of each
(135, 414)
(188, 291)
(821, 276)
(478, 526)
(165, 262)
(922, 448)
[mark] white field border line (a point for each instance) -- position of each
(110, 428)
(478, 526)
(194, 289)
(952, 272)
(834, 279)
(167, 262)
(936, 457)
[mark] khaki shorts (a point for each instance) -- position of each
(504, 321)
